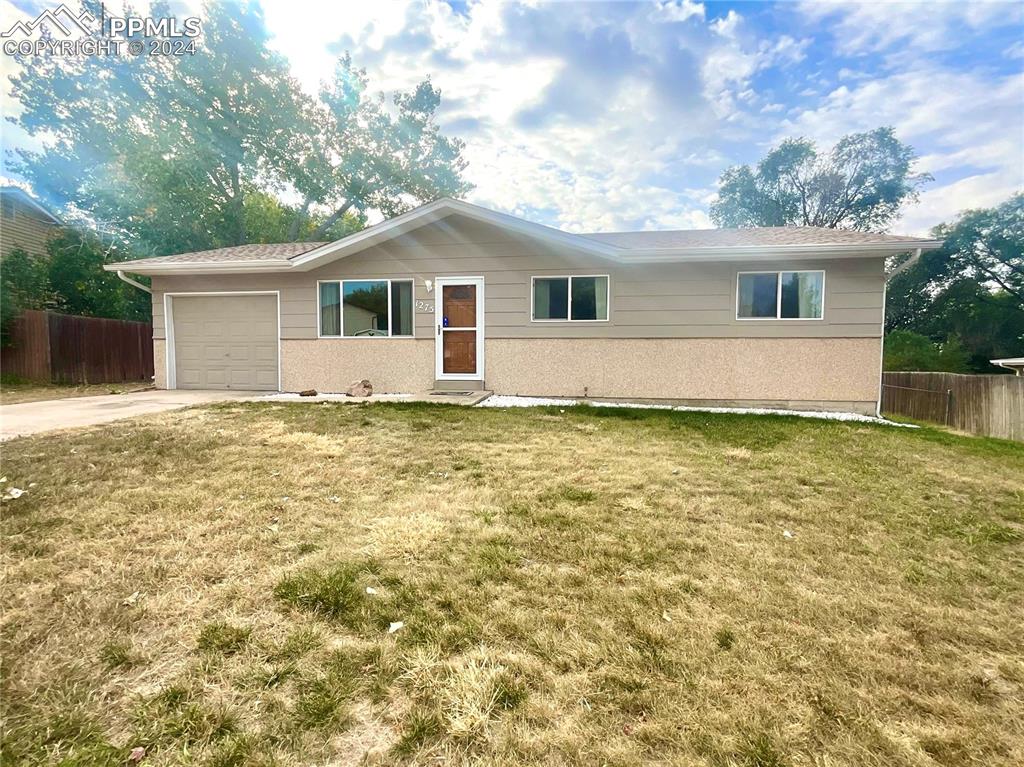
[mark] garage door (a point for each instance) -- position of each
(225, 342)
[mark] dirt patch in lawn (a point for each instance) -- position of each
(341, 584)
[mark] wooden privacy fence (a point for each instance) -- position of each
(992, 405)
(62, 348)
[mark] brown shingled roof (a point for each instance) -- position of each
(281, 251)
(752, 237)
(683, 238)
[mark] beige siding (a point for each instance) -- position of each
(647, 301)
(26, 230)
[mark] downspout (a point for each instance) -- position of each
(881, 355)
(135, 283)
(905, 265)
(881, 352)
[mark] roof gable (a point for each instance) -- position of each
(436, 211)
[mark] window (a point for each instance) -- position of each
(574, 299)
(780, 295)
(366, 308)
(8, 208)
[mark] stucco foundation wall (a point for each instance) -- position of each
(822, 373)
(813, 374)
(392, 365)
(159, 363)
(825, 374)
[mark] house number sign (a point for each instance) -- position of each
(425, 306)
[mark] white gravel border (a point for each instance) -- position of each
(502, 400)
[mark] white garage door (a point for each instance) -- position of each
(225, 342)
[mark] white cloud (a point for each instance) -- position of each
(1015, 51)
(9, 67)
(982, 190)
(680, 10)
(613, 115)
(728, 25)
(862, 26)
(970, 138)
(586, 116)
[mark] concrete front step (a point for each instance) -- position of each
(457, 396)
(467, 385)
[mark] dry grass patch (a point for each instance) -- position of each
(13, 392)
(222, 586)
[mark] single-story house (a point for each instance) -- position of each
(452, 295)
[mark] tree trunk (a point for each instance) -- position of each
(331, 220)
(300, 216)
(238, 206)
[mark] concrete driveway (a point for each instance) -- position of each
(49, 415)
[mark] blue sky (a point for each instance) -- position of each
(603, 116)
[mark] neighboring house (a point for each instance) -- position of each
(24, 222)
(464, 297)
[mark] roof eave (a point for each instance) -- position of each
(200, 267)
(765, 252)
(440, 209)
(32, 202)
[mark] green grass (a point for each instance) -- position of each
(223, 638)
(575, 585)
(118, 655)
(725, 637)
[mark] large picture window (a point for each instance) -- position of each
(570, 299)
(780, 295)
(366, 308)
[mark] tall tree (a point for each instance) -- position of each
(164, 151)
(24, 284)
(68, 279)
(988, 245)
(971, 289)
(860, 184)
(364, 157)
(80, 285)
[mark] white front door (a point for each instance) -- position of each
(459, 317)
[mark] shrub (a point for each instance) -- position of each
(906, 350)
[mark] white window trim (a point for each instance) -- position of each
(778, 297)
(341, 308)
(570, 277)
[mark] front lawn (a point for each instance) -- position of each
(575, 586)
